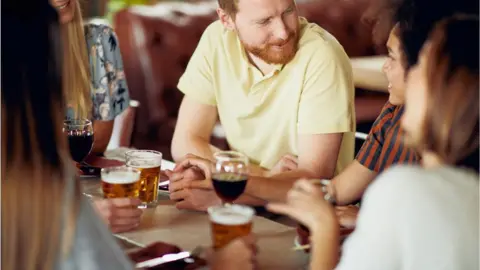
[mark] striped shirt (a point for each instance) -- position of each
(384, 144)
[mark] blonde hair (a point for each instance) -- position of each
(38, 213)
(76, 75)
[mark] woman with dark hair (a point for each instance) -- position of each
(416, 217)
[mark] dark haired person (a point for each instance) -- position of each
(435, 220)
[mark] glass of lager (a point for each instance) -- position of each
(120, 182)
(230, 222)
(230, 175)
(148, 162)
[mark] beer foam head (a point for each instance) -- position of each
(231, 215)
(144, 163)
(120, 177)
(143, 159)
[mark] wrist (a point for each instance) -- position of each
(327, 226)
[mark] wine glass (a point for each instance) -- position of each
(230, 175)
(80, 138)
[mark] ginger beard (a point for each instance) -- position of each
(275, 52)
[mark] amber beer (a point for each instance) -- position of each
(230, 222)
(120, 182)
(148, 163)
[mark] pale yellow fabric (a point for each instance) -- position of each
(263, 115)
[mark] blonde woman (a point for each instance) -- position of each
(95, 85)
(95, 88)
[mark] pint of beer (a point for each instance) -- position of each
(148, 163)
(230, 222)
(120, 182)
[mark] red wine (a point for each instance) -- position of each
(80, 143)
(229, 186)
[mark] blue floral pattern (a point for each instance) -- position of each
(109, 91)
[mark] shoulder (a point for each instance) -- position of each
(384, 119)
(320, 46)
(212, 36)
(95, 31)
(93, 233)
(420, 185)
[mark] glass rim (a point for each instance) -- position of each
(131, 154)
(106, 170)
(321, 182)
(238, 208)
(230, 156)
(77, 122)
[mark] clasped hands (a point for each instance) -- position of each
(191, 184)
(191, 187)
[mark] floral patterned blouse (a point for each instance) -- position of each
(109, 88)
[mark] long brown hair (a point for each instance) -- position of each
(76, 76)
(452, 118)
(38, 215)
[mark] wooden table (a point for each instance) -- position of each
(188, 229)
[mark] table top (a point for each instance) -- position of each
(188, 229)
(368, 74)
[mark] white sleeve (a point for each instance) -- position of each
(375, 243)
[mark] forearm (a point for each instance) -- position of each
(192, 145)
(325, 246)
(250, 200)
(102, 134)
(350, 185)
(256, 170)
(274, 188)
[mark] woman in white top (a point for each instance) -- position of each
(416, 217)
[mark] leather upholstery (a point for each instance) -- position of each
(157, 42)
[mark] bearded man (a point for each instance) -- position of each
(282, 88)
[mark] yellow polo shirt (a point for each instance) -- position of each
(263, 115)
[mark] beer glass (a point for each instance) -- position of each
(148, 162)
(120, 182)
(229, 222)
(80, 137)
(229, 177)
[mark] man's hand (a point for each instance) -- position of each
(347, 215)
(191, 172)
(195, 199)
(286, 163)
(239, 254)
(120, 214)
